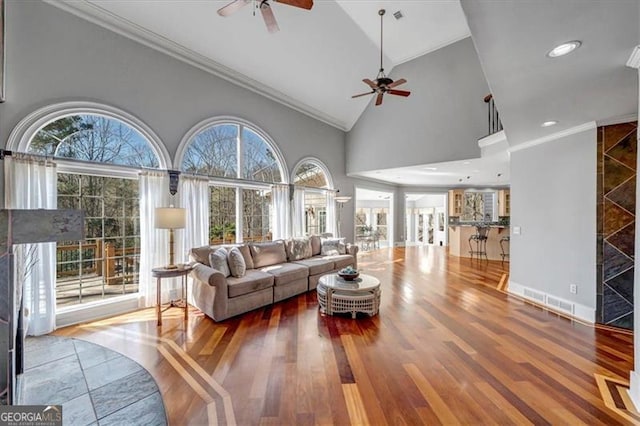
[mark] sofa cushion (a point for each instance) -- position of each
(298, 248)
(316, 245)
(201, 254)
(341, 260)
(253, 280)
(266, 254)
(246, 253)
(286, 272)
(317, 265)
(237, 266)
(218, 261)
(333, 246)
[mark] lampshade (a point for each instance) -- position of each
(170, 218)
(343, 199)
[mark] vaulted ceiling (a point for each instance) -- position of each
(319, 57)
(314, 63)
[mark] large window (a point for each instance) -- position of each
(106, 263)
(241, 165)
(311, 176)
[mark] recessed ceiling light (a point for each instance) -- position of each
(564, 49)
(429, 168)
(467, 162)
(549, 123)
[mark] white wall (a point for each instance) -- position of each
(53, 56)
(442, 120)
(553, 201)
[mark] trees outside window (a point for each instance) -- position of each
(241, 165)
(106, 263)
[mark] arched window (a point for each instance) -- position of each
(312, 176)
(94, 138)
(84, 136)
(242, 163)
(232, 150)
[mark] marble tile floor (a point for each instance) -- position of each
(94, 385)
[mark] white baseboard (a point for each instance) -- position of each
(95, 311)
(553, 302)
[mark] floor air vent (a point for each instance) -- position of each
(560, 304)
(530, 294)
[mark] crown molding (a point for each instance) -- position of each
(106, 19)
(634, 59)
(548, 138)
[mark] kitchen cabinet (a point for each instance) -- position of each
(504, 202)
(456, 198)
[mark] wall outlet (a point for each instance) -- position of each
(517, 230)
(573, 288)
(173, 294)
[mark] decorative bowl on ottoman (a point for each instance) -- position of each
(348, 273)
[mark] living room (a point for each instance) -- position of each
(61, 61)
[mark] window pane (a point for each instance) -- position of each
(260, 163)
(255, 215)
(222, 215)
(213, 152)
(311, 175)
(106, 264)
(94, 138)
(315, 207)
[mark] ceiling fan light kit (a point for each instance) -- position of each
(383, 84)
(265, 9)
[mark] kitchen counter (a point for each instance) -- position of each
(459, 240)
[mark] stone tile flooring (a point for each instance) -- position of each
(94, 385)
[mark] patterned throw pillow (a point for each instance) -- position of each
(236, 263)
(333, 246)
(298, 248)
(218, 261)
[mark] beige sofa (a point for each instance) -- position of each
(274, 272)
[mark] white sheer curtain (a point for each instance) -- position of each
(331, 214)
(154, 243)
(31, 183)
(194, 196)
(281, 213)
(298, 213)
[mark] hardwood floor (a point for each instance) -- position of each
(447, 348)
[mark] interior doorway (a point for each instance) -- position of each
(425, 219)
(373, 219)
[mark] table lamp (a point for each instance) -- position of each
(170, 218)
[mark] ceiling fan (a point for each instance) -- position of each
(265, 9)
(383, 84)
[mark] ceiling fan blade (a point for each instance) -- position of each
(371, 84)
(379, 98)
(363, 94)
(269, 18)
(396, 83)
(302, 4)
(399, 92)
(232, 7)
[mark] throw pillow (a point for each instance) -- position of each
(218, 261)
(333, 246)
(298, 248)
(236, 261)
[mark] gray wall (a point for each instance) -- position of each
(53, 56)
(553, 200)
(442, 120)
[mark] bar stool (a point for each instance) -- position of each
(480, 239)
(504, 240)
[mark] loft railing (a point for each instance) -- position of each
(493, 118)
